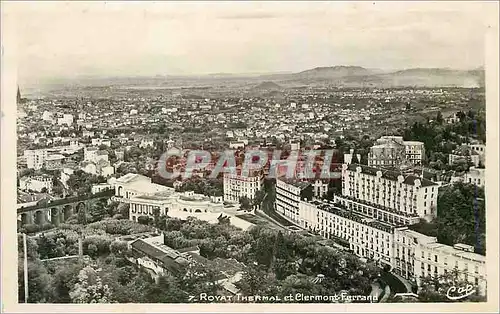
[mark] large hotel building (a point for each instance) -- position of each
(372, 219)
(237, 185)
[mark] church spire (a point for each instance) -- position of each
(18, 95)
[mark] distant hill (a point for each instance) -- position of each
(268, 86)
(355, 76)
(434, 77)
(333, 72)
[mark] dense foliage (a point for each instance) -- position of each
(461, 217)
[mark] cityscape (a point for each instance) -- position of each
(329, 184)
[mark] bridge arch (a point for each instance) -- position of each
(80, 206)
(25, 218)
(198, 211)
(55, 215)
(67, 212)
(39, 217)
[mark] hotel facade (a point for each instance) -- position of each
(372, 219)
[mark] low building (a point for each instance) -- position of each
(36, 183)
(475, 176)
(433, 259)
(157, 258)
(54, 162)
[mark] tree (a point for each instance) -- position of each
(257, 281)
(39, 282)
(198, 278)
(259, 198)
(156, 215)
(434, 288)
(245, 203)
(165, 290)
(124, 210)
(89, 288)
(439, 118)
(64, 279)
(144, 220)
(461, 217)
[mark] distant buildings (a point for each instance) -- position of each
(66, 119)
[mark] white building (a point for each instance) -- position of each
(320, 188)
(147, 199)
(237, 186)
(35, 159)
(348, 157)
(54, 161)
(365, 236)
(236, 145)
(145, 142)
(47, 116)
(66, 119)
(36, 183)
(414, 152)
(408, 195)
(289, 194)
(90, 153)
(433, 259)
(101, 141)
(410, 254)
(475, 176)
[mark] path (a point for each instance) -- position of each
(407, 284)
(376, 290)
(61, 258)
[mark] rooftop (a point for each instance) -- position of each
(392, 175)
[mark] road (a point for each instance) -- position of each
(268, 209)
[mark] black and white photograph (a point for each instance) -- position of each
(250, 155)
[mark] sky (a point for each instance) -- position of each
(57, 39)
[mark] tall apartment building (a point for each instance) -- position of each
(237, 185)
(392, 151)
(390, 192)
(289, 194)
(35, 159)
